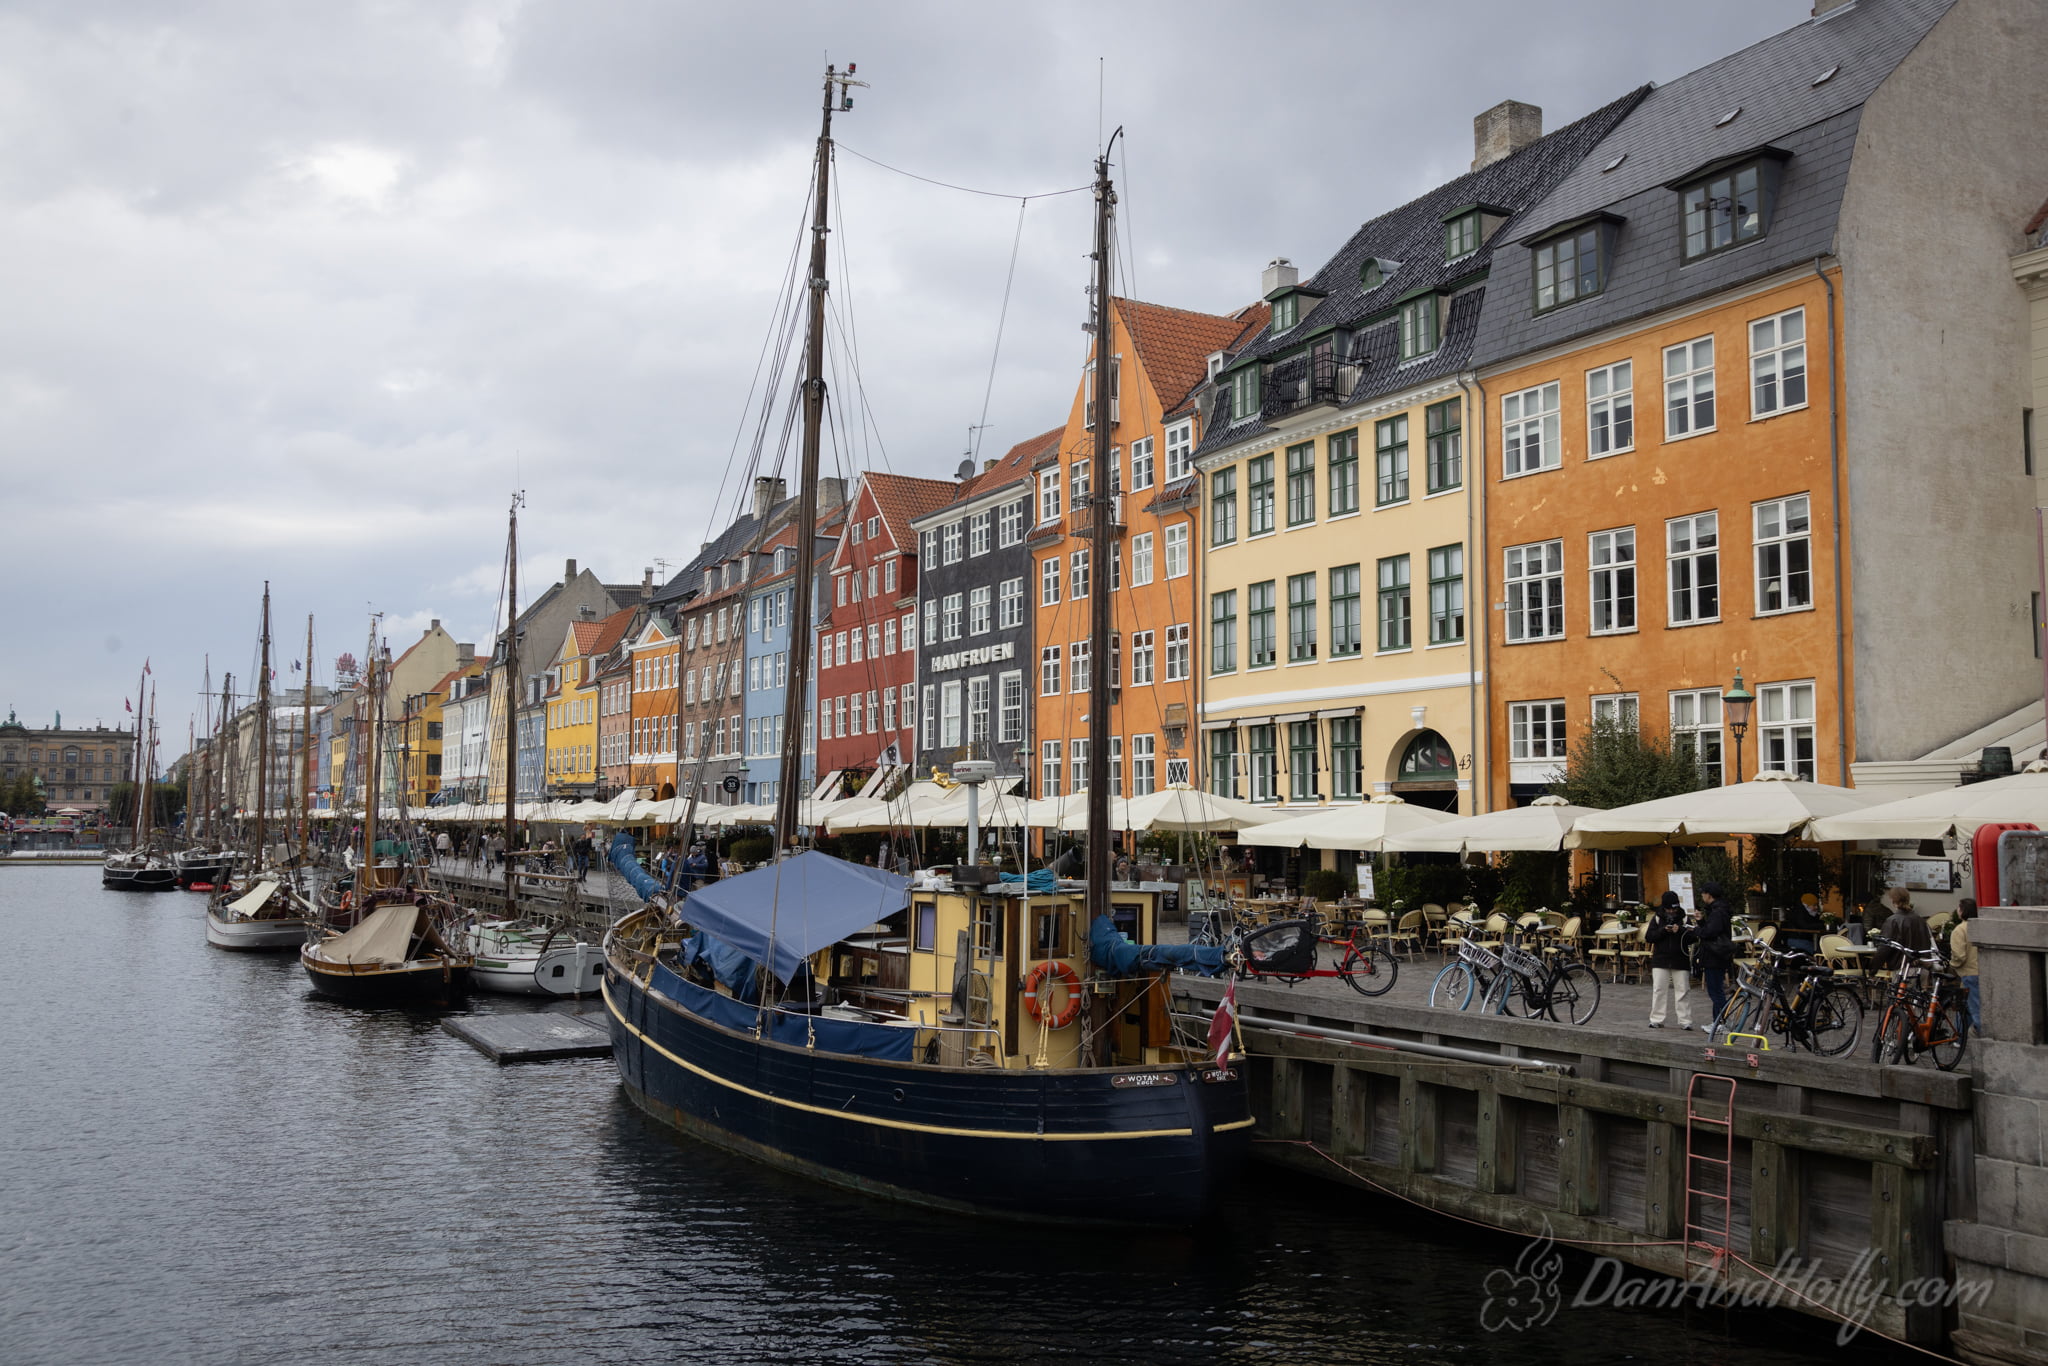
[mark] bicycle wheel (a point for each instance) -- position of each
(1834, 1018)
(1950, 1038)
(1574, 994)
(1369, 969)
(1888, 1045)
(1506, 996)
(1453, 987)
(1739, 1016)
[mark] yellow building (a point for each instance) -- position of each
(572, 713)
(1339, 653)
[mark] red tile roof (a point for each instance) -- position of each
(609, 631)
(1015, 463)
(1175, 344)
(901, 498)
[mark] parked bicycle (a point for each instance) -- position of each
(1466, 978)
(1925, 1012)
(1562, 989)
(1795, 995)
(1290, 951)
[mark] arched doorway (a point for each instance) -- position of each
(1427, 774)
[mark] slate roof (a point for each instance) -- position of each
(1409, 242)
(1674, 132)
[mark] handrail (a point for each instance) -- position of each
(1434, 1050)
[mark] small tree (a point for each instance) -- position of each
(1615, 764)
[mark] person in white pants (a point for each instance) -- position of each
(1670, 972)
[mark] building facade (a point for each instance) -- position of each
(74, 767)
(771, 603)
(974, 581)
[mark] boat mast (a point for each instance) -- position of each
(191, 735)
(372, 799)
(205, 763)
(511, 699)
(221, 737)
(306, 752)
(788, 791)
(1101, 506)
(149, 770)
(139, 825)
(263, 736)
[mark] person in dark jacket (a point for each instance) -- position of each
(1715, 931)
(1670, 971)
(1903, 927)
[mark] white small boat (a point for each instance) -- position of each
(521, 958)
(269, 916)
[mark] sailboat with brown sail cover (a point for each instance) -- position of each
(392, 942)
(1022, 1062)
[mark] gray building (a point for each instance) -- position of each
(974, 645)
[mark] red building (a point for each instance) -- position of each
(867, 634)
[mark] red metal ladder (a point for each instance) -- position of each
(1709, 1171)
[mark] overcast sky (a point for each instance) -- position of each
(304, 291)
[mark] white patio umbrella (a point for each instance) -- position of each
(1361, 825)
(880, 813)
(1955, 810)
(1180, 807)
(1773, 803)
(1541, 825)
(1046, 813)
(999, 807)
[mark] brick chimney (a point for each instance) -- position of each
(1503, 130)
(768, 491)
(647, 584)
(465, 655)
(569, 574)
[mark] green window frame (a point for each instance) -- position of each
(1223, 632)
(1390, 438)
(1244, 393)
(1223, 507)
(1347, 636)
(1446, 594)
(1261, 763)
(1727, 209)
(1444, 445)
(1223, 762)
(1571, 267)
(1420, 327)
(1301, 484)
(1286, 309)
(1301, 617)
(1395, 608)
(1261, 627)
(1258, 490)
(1343, 462)
(1347, 756)
(1461, 235)
(1302, 763)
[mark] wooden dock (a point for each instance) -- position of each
(541, 1036)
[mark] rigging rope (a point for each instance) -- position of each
(964, 189)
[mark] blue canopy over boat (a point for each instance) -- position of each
(1119, 957)
(804, 904)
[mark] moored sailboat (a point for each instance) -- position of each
(145, 867)
(810, 1014)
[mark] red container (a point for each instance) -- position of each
(1984, 858)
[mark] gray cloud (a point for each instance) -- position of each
(302, 292)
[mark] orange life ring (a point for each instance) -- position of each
(1039, 976)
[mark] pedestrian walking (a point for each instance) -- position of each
(1962, 958)
(1670, 969)
(1715, 936)
(444, 847)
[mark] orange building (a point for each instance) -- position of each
(1161, 356)
(658, 689)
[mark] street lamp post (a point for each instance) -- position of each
(1735, 705)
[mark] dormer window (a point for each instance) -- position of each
(1461, 235)
(1728, 205)
(1572, 265)
(1244, 393)
(1420, 326)
(1286, 311)
(1372, 274)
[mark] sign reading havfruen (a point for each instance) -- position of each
(967, 659)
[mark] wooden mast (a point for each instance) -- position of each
(789, 787)
(366, 882)
(138, 826)
(511, 700)
(263, 736)
(1101, 507)
(306, 751)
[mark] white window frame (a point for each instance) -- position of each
(1141, 559)
(1180, 451)
(1696, 718)
(1049, 768)
(1080, 658)
(1010, 604)
(1142, 653)
(1537, 731)
(1774, 542)
(1537, 569)
(1049, 661)
(1144, 765)
(981, 610)
(1682, 602)
(978, 701)
(1777, 363)
(980, 532)
(1689, 389)
(1048, 495)
(1142, 471)
(952, 719)
(950, 612)
(1010, 522)
(1010, 707)
(1610, 405)
(1049, 570)
(1623, 707)
(1177, 550)
(1529, 430)
(1786, 715)
(1078, 574)
(952, 542)
(1611, 581)
(1180, 647)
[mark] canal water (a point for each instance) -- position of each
(201, 1161)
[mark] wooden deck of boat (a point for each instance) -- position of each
(541, 1036)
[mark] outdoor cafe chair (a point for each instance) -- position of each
(1406, 937)
(1635, 952)
(1607, 948)
(1567, 937)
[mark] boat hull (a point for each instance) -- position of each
(255, 936)
(154, 878)
(204, 872)
(418, 984)
(1091, 1146)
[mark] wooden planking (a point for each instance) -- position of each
(1458, 1136)
(1834, 1212)
(1624, 1172)
(1536, 1155)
